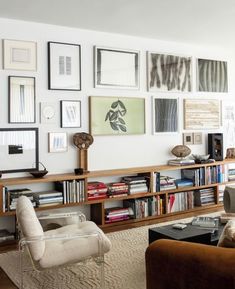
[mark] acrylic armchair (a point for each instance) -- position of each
(74, 242)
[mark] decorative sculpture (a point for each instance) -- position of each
(82, 141)
(181, 151)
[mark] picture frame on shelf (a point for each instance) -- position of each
(197, 138)
(58, 142)
(70, 111)
(48, 112)
(19, 55)
(21, 99)
(165, 115)
(188, 138)
(19, 150)
(201, 114)
(116, 115)
(212, 75)
(64, 66)
(116, 68)
(167, 72)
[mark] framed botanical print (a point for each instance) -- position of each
(64, 66)
(70, 113)
(21, 99)
(117, 115)
(116, 68)
(19, 55)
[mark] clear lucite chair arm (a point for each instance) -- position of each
(62, 215)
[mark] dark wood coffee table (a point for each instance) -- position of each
(190, 234)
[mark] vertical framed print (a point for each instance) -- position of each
(21, 99)
(70, 113)
(64, 66)
(116, 68)
(58, 142)
(19, 55)
(165, 115)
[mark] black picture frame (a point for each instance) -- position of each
(19, 150)
(64, 66)
(21, 99)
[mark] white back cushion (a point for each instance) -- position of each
(30, 226)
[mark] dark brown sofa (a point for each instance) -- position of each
(182, 265)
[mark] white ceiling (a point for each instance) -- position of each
(194, 21)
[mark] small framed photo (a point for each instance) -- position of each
(188, 138)
(19, 55)
(64, 66)
(58, 142)
(21, 99)
(48, 112)
(197, 138)
(70, 113)
(165, 115)
(116, 68)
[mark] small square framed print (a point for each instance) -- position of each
(58, 142)
(188, 138)
(64, 66)
(19, 55)
(70, 113)
(21, 99)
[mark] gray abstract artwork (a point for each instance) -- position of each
(165, 115)
(169, 73)
(212, 76)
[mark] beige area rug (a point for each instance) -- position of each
(124, 265)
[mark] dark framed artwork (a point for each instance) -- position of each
(165, 115)
(21, 99)
(116, 68)
(117, 115)
(70, 113)
(64, 66)
(212, 75)
(169, 72)
(18, 149)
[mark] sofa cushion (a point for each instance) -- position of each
(30, 226)
(227, 238)
(66, 250)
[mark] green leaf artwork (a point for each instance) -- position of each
(115, 114)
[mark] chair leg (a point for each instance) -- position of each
(102, 280)
(21, 251)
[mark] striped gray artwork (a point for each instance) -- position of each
(212, 76)
(169, 72)
(166, 119)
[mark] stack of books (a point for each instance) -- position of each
(13, 195)
(48, 198)
(180, 183)
(181, 162)
(96, 190)
(117, 189)
(167, 183)
(116, 214)
(136, 184)
(231, 172)
(204, 197)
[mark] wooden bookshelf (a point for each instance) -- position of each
(97, 207)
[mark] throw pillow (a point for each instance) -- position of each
(227, 238)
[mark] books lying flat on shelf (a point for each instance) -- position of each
(183, 183)
(181, 162)
(207, 222)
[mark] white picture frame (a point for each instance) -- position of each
(48, 113)
(70, 113)
(197, 138)
(64, 66)
(116, 68)
(165, 115)
(19, 55)
(57, 142)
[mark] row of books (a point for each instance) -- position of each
(180, 201)
(73, 191)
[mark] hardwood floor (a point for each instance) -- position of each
(5, 282)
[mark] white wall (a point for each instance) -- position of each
(106, 152)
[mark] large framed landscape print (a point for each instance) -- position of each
(117, 115)
(64, 66)
(169, 72)
(165, 115)
(18, 149)
(116, 68)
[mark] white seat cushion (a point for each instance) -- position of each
(59, 252)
